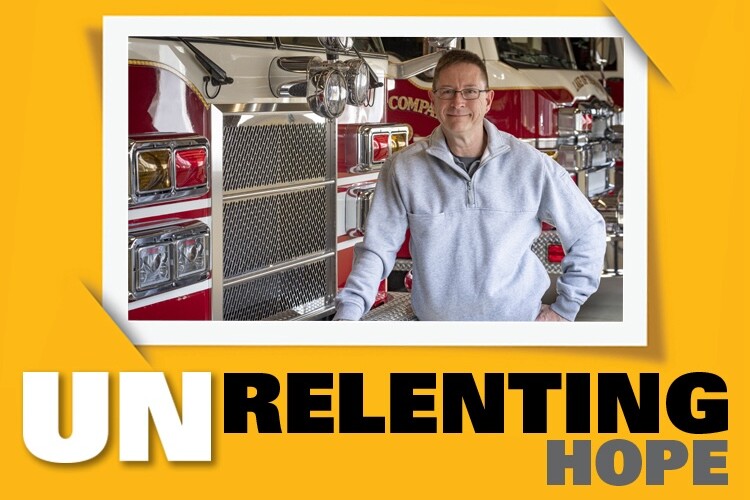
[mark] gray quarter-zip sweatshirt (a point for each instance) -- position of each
(471, 236)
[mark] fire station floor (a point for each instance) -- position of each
(604, 305)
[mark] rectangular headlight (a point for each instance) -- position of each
(191, 256)
(153, 266)
(167, 256)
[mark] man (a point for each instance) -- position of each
(473, 198)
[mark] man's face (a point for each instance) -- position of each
(460, 117)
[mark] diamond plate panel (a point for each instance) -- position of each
(539, 247)
(402, 265)
(397, 308)
(263, 155)
(259, 232)
(280, 296)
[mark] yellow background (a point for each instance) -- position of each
(51, 257)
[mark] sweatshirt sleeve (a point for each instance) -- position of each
(374, 258)
(583, 235)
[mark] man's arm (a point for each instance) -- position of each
(583, 235)
(375, 256)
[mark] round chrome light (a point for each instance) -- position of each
(326, 91)
(357, 81)
(336, 43)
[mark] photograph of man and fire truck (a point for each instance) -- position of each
(375, 179)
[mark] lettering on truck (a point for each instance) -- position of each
(407, 103)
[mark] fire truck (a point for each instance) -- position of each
(542, 98)
(252, 162)
(602, 58)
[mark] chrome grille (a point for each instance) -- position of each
(281, 296)
(276, 225)
(267, 230)
(264, 155)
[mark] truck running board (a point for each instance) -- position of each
(396, 308)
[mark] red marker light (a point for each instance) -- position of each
(555, 253)
(380, 149)
(190, 168)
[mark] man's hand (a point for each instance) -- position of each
(547, 314)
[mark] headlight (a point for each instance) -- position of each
(191, 256)
(152, 266)
(326, 91)
(164, 258)
(357, 81)
(336, 43)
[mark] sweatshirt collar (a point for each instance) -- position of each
(497, 144)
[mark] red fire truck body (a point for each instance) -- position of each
(244, 203)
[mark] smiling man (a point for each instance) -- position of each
(474, 198)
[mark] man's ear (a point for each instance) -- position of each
(490, 97)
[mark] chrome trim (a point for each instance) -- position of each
(166, 233)
(279, 189)
(332, 173)
(287, 76)
(277, 268)
(217, 212)
(275, 121)
(576, 158)
(362, 168)
(544, 143)
(251, 107)
(313, 315)
(139, 144)
(413, 67)
(363, 143)
(293, 64)
(358, 201)
(609, 175)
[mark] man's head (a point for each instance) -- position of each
(460, 94)
(458, 56)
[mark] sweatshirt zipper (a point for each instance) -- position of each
(470, 193)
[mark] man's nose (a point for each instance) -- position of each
(458, 96)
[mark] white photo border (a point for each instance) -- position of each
(632, 331)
